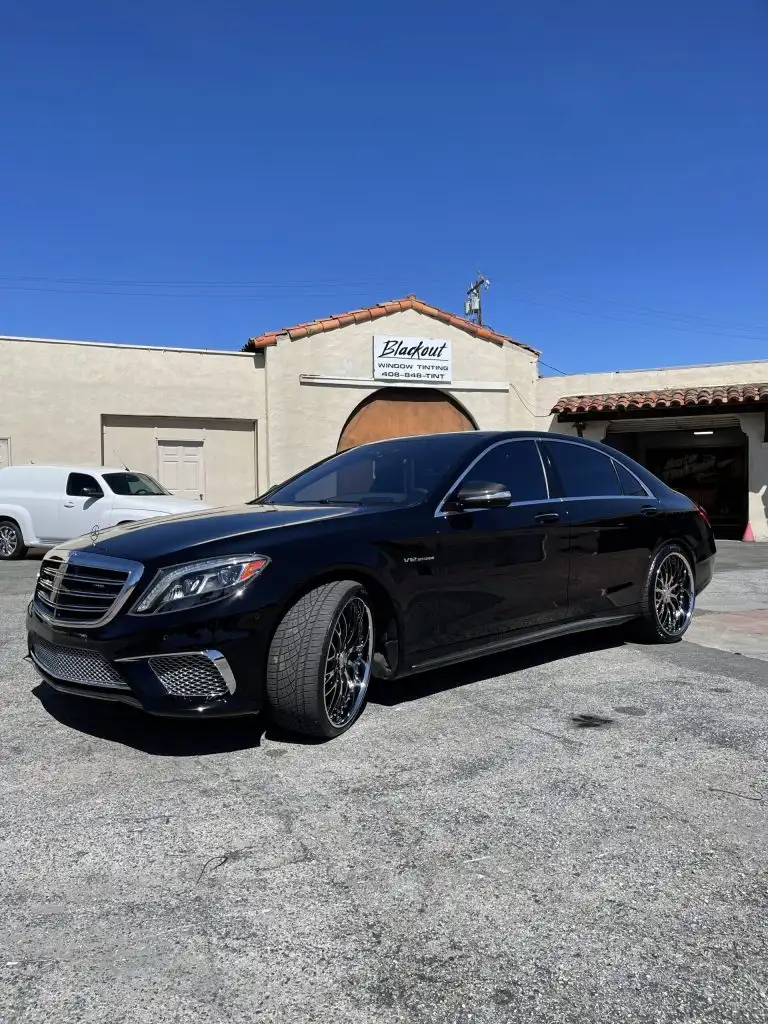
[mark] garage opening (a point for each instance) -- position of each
(703, 459)
(402, 412)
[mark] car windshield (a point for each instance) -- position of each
(133, 483)
(388, 473)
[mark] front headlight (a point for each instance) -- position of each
(187, 586)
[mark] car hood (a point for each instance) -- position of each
(161, 538)
(163, 504)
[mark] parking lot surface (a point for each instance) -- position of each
(471, 851)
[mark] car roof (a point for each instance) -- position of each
(482, 437)
(71, 469)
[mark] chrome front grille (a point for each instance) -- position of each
(73, 665)
(76, 588)
(190, 675)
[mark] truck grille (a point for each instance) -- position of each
(189, 675)
(72, 665)
(82, 589)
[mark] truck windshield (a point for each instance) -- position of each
(133, 483)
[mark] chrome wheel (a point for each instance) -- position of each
(9, 540)
(674, 593)
(348, 662)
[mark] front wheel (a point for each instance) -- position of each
(320, 659)
(11, 541)
(669, 596)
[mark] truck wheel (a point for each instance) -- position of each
(320, 659)
(11, 541)
(668, 597)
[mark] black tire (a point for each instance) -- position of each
(12, 546)
(666, 627)
(299, 658)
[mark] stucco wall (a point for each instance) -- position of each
(229, 463)
(550, 389)
(53, 394)
(753, 425)
(305, 419)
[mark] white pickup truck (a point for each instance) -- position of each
(41, 506)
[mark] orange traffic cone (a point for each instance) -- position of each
(748, 533)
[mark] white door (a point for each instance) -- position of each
(5, 452)
(181, 469)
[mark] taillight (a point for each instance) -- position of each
(703, 513)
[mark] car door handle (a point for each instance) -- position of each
(69, 504)
(547, 517)
(649, 510)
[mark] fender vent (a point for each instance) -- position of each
(189, 675)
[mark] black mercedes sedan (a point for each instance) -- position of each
(389, 559)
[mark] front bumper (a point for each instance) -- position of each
(207, 671)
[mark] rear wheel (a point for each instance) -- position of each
(669, 596)
(320, 660)
(11, 541)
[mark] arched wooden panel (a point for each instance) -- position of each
(393, 413)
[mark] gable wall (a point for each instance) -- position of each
(305, 420)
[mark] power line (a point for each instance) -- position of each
(335, 283)
(649, 311)
(259, 290)
(549, 367)
(536, 415)
(250, 296)
(132, 282)
(733, 336)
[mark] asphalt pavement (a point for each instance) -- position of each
(733, 611)
(571, 833)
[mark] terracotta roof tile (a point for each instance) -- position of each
(672, 398)
(369, 313)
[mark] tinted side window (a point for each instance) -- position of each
(517, 465)
(629, 482)
(585, 472)
(79, 483)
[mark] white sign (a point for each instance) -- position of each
(411, 360)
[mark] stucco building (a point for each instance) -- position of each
(226, 425)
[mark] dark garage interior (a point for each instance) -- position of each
(708, 465)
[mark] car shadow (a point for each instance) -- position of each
(174, 737)
(454, 676)
(167, 737)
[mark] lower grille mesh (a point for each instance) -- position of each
(189, 675)
(72, 665)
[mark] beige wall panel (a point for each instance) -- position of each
(753, 425)
(54, 394)
(229, 451)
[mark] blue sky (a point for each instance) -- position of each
(192, 174)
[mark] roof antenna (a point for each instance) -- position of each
(473, 307)
(116, 453)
